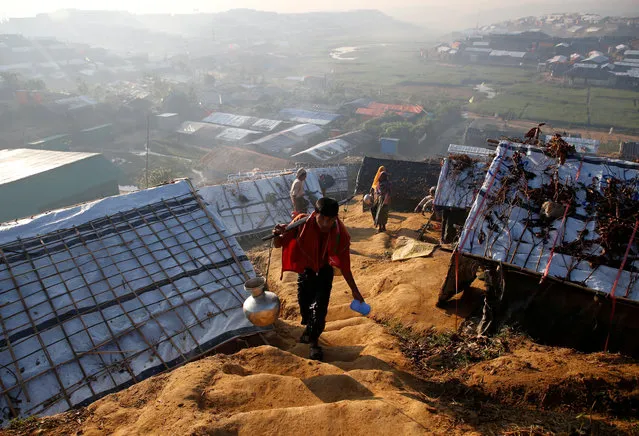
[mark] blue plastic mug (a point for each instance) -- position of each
(359, 307)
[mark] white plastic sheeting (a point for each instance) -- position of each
(99, 296)
(582, 145)
(255, 206)
(470, 150)
(338, 175)
(326, 150)
(499, 231)
(458, 188)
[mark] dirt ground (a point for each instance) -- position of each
(369, 382)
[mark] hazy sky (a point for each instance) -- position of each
(20, 8)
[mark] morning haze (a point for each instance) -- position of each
(316, 218)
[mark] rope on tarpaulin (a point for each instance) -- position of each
(456, 253)
(560, 231)
(614, 285)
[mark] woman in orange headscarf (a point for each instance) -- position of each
(375, 184)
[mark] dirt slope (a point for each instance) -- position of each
(366, 384)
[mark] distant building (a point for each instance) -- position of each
(243, 122)
(208, 135)
(629, 150)
(335, 148)
(56, 143)
(589, 74)
(167, 122)
(36, 181)
(389, 145)
(309, 117)
(290, 140)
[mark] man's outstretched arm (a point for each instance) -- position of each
(348, 276)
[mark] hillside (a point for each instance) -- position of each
(373, 380)
(167, 33)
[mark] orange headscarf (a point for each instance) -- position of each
(375, 184)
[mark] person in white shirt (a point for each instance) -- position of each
(427, 202)
(300, 205)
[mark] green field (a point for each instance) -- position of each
(397, 72)
(566, 106)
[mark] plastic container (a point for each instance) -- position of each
(361, 308)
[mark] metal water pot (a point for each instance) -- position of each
(262, 308)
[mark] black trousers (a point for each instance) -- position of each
(313, 294)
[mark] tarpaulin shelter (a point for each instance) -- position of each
(567, 227)
(103, 295)
(255, 206)
(460, 179)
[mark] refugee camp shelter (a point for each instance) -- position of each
(333, 181)
(103, 295)
(336, 148)
(242, 121)
(410, 180)
(460, 179)
(289, 140)
(34, 181)
(566, 234)
(254, 203)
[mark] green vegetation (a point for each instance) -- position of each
(614, 107)
(566, 106)
(395, 73)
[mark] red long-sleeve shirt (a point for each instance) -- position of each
(307, 247)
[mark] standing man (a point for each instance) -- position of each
(300, 205)
(312, 250)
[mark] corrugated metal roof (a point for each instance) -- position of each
(627, 64)
(244, 121)
(304, 116)
(506, 53)
(21, 163)
(233, 134)
(469, 150)
(478, 50)
(581, 65)
(327, 150)
(291, 137)
(214, 131)
(599, 59)
(49, 138)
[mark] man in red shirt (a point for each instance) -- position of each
(312, 250)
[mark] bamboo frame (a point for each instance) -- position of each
(82, 262)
